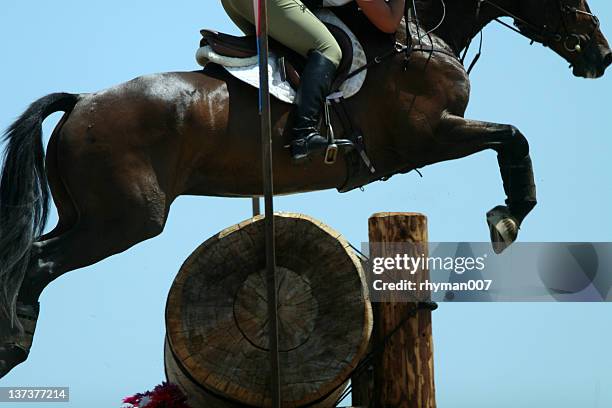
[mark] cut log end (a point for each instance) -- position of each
(217, 322)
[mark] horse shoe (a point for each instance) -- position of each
(503, 228)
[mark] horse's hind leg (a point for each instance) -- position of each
(119, 202)
(470, 136)
(86, 243)
(66, 209)
(114, 213)
(91, 240)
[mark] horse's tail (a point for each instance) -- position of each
(24, 197)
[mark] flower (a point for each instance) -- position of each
(165, 395)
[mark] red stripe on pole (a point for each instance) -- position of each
(257, 16)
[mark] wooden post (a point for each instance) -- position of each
(362, 388)
(403, 366)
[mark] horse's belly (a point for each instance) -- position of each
(236, 171)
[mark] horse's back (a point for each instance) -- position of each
(197, 132)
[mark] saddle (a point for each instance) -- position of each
(291, 63)
(238, 55)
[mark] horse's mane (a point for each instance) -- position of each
(430, 15)
(430, 12)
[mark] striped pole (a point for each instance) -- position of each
(261, 17)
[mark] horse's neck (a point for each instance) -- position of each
(462, 20)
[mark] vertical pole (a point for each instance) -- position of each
(255, 204)
(266, 155)
(362, 386)
(403, 369)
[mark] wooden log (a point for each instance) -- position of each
(403, 370)
(216, 316)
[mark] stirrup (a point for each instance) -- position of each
(331, 153)
(334, 145)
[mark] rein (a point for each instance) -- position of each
(572, 42)
(533, 32)
(397, 49)
(407, 49)
(543, 34)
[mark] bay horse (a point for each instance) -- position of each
(118, 158)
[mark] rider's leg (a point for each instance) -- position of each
(290, 23)
(296, 27)
(245, 25)
(315, 84)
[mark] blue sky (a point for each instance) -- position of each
(101, 328)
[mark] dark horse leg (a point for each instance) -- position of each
(81, 246)
(89, 230)
(85, 244)
(471, 136)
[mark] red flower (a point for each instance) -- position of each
(166, 395)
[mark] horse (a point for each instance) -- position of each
(118, 158)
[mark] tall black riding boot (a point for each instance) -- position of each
(315, 84)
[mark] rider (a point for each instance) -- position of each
(292, 24)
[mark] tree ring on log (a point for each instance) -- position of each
(295, 298)
(216, 316)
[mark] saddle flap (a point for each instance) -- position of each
(238, 55)
(246, 47)
(346, 45)
(229, 45)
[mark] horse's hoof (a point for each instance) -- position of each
(503, 228)
(15, 348)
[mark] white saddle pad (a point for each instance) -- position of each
(247, 70)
